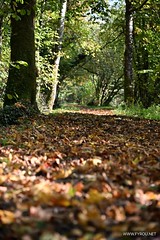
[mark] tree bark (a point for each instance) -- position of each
(21, 84)
(128, 55)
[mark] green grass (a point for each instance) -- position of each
(70, 107)
(152, 112)
(76, 107)
(101, 107)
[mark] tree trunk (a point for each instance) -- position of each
(21, 84)
(58, 49)
(128, 55)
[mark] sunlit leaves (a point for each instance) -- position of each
(79, 175)
(6, 217)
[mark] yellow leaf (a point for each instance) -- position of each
(42, 192)
(94, 196)
(3, 178)
(95, 161)
(61, 200)
(92, 214)
(152, 196)
(7, 217)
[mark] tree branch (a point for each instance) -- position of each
(112, 40)
(140, 7)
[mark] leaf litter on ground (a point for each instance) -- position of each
(87, 175)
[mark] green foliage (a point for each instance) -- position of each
(152, 112)
(80, 91)
(92, 52)
(98, 72)
(3, 77)
(19, 64)
(147, 54)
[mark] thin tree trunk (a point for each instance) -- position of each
(128, 56)
(21, 84)
(58, 49)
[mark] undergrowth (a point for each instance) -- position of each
(152, 112)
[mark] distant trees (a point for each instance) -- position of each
(139, 82)
(147, 20)
(50, 26)
(101, 67)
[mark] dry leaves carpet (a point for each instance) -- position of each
(80, 175)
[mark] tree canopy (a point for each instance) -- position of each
(101, 47)
(101, 52)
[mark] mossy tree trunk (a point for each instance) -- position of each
(21, 84)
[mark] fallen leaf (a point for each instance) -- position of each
(7, 217)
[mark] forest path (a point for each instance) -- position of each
(96, 111)
(89, 110)
(79, 175)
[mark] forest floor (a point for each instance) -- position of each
(83, 175)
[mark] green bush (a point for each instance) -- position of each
(152, 112)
